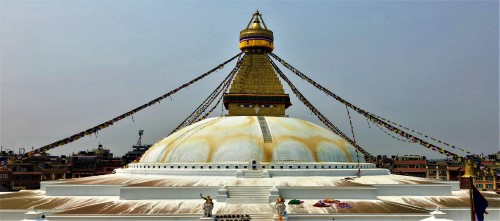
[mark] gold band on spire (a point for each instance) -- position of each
(254, 38)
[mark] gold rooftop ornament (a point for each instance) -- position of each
(469, 170)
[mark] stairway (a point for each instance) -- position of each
(252, 174)
(248, 195)
(266, 134)
(262, 217)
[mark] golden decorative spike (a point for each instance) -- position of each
(469, 170)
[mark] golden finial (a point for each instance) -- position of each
(254, 38)
(469, 170)
(256, 24)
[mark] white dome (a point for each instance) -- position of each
(240, 139)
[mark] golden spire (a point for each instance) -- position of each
(256, 89)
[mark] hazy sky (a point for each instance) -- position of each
(67, 66)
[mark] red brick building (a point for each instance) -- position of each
(410, 165)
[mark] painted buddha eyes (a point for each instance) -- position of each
(246, 105)
(252, 105)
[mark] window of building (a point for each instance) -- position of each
(235, 167)
(489, 186)
(281, 167)
(489, 178)
(290, 167)
(272, 167)
(479, 178)
(479, 186)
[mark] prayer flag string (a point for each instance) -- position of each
(368, 115)
(209, 100)
(319, 115)
(425, 135)
(94, 130)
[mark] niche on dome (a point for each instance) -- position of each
(254, 164)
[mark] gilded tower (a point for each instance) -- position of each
(256, 89)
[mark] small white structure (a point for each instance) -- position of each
(34, 215)
(437, 215)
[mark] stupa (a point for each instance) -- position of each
(245, 161)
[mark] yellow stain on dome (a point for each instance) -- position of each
(212, 147)
(312, 144)
(343, 146)
(249, 121)
(209, 140)
(216, 127)
(267, 151)
(292, 127)
(182, 137)
(213, 144)
(309, 124)
(230, 132)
